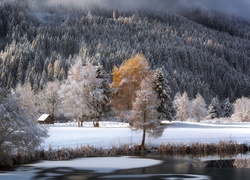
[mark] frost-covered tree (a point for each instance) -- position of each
(48, 99)
(182, 106)
(82, 93)
(163, 91)
(214, 109)
(103, 76)
(18, 132)
(144, 112)
(198, 108)
(241, 110)
(227, 108)
(71, 93)
(25, 99)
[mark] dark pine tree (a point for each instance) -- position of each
(214, 109)
(163, 94)
(101, 74)
(227, 108)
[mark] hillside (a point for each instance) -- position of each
(200, 51)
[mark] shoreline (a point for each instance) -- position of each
(222, 149)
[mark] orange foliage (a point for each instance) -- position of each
(126, 81)
(133, 69)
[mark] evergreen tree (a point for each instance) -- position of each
(101, 74)
(227, 108)
(214, 109)
(163, 94)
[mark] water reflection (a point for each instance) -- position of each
(242, 163)
(158, 168)
(159, 176)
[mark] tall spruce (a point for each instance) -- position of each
(163, 91)
(227, 108)
(102, 74)
(214, 109)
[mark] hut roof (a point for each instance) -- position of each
(43, 117)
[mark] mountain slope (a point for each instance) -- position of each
(197, 49)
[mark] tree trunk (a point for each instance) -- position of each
(143, 139)
(144, 131)
(95, 123)
(79, 123)
(53, 117)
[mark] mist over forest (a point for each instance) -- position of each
(202, 46)
(231, 7)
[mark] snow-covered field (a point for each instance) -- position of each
(114, 134)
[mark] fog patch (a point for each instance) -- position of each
(231, 7)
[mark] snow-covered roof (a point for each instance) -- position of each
(43, 117)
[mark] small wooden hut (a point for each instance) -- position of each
(45, 119)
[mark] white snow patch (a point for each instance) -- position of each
(100, 164)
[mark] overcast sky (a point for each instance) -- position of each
(231, 7)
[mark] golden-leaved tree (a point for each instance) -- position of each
(126, 81)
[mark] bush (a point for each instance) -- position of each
(242, 110)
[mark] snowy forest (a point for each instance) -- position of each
(199, 51)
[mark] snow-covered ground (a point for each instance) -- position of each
(115, 134)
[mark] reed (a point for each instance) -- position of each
(222, 149)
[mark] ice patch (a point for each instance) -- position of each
(100, 164)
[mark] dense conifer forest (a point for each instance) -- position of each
(200, 51)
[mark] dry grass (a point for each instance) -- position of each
(221, 149)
